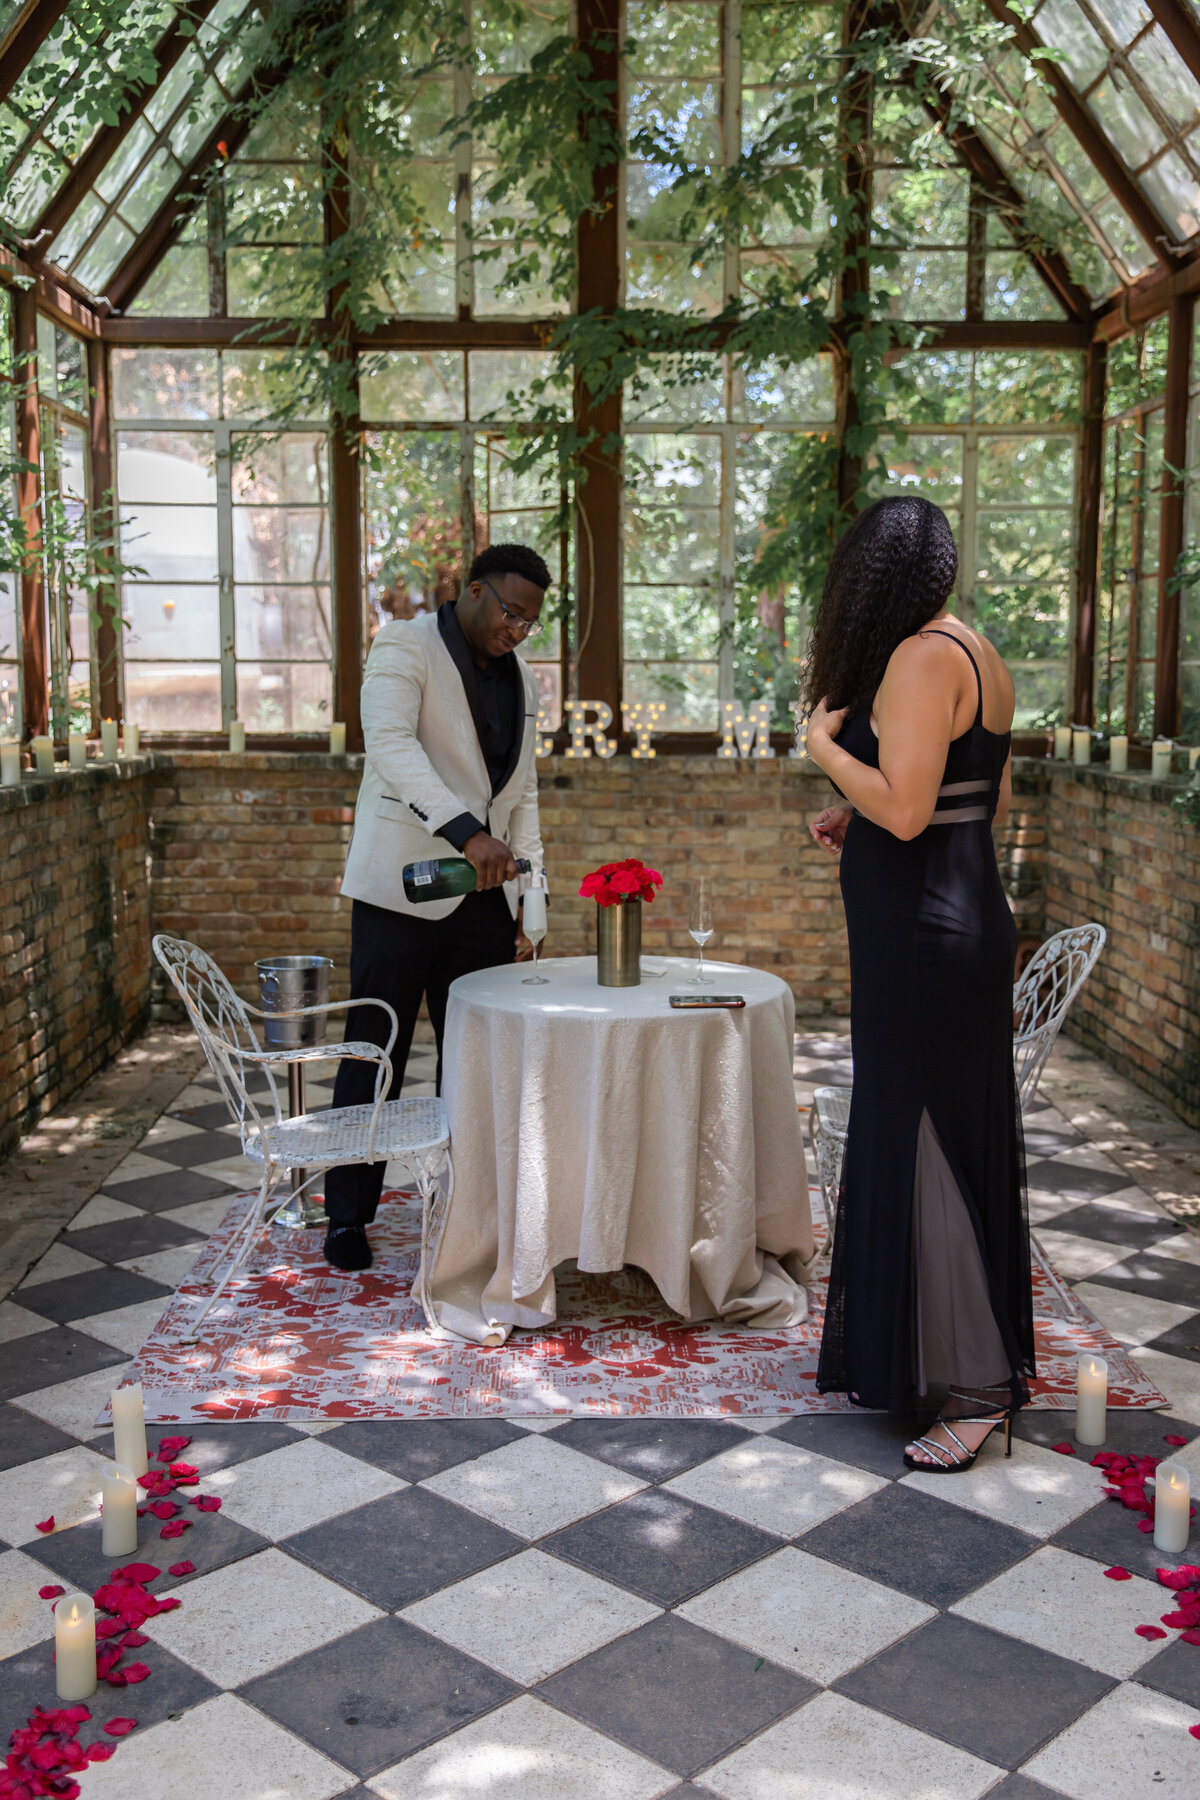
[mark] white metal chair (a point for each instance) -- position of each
(1049, 983)
(412, 1132)
(1051, 979)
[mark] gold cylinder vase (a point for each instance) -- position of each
(619, 944)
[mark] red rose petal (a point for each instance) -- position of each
(100, 1752)
(50, 1593)
(1194, 1731)
(164, 1509)
(208, 1503)
(1064, 1449)
(1150, 1632)
(1190, 1637)
(139, 1572)
(1118, 1574)
(46, 1524)
(175, 1529)
(1145, 1524)
(133, 1640)
(168, 1605)
(169, 1447)
(106, 1628)
(136, 1672)
(1175, 1441)
(179, 1568)
(120, 1727)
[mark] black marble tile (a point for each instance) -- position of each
(1016, 1787)
(995, 1696)
(126, 1238)
(1132, 1431)
(378, 1694)
(661, 1546)
(208, 1116)
(211, 1543)
(928, 1548)
(1074, 1182)
(173, 1687)
(655, 1449)
(94, 1291)
(157, 1193)
(48, 1357)
(1182, 1339)
(23, 1438)
(1158, 1277)
(675, 1693)
(1042, 1141)
(415, 1449)
(1117, 1225)
(403, 1546)
(192, 1148)
(1109, 1533)
(1175, 1670)
(866, 1440)
(213, 1447)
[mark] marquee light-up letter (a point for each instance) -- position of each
(746, 731)
(597, 729)
(545, 724)
(641, 717)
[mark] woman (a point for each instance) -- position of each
(910, 714)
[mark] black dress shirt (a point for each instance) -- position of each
(495, 694)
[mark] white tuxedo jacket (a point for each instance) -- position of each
(424, 766)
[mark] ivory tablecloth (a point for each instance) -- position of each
(599, 1124)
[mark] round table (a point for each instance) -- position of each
(601, 1124)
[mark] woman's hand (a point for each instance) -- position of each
(827, 721)
(829, 828)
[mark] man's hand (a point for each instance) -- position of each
(491, 860)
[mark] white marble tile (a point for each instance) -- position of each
(1044, 1208)
(288, 1490)
(59, 1261)
(194, 1095)
(489, 1615)
(524, 1751)
(1132, 1745)
(1132, 1199)
(201, 1215)
(246, 1619)
(237, 1172)
(169, 1267)
(1066, 1604)
(74, 1405)
(533, 1485)
(65, 1486)
(1033, 1489)
(1076, 1258)
(541, 1421)
(167, 1130)
(137, 1164)
(755, 1422)
(16, 1322)
(807, 1614)
(126, 1327)
(101, 1209)
(775, 1485)
(219, 1750)
(24, 1619)
(1183, 1247)
(1177, 1379)
(1086, 1156)
(1132, 1318)
(834, 1749)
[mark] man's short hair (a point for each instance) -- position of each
(511, 559)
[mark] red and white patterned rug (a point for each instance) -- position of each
(292, 1339)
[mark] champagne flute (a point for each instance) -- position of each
(533, 924)
(700, 925)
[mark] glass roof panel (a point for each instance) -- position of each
(1123, 18)
(1062, 26)
(1168, 77)
(1175, 192)
(1127, 124)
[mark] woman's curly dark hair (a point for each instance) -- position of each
(888, 575)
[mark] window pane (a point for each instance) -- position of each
(164, 384)
(164, 466)
(416, 385)
(173, 697)
(171, 543)
(278, 543)
(774, 395)
(1034, 469)
(285, 696)
(413, 518)
(511, 384)
(670, 623)
(931, 466)
(288, 622)
(167, 623)
(670, 544)
(280, 471)
(687, 690)
(680, 470)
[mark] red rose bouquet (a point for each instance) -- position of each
(614, 882)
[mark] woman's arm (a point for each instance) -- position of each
(915, 709)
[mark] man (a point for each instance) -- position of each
(449, 717)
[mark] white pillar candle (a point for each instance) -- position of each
(337, 739)
(1118, 754)
(108, 739)
(129, 1429)
(43, 754)
(1081, 746)
(534, 917)
(237, 737)
(133, 738)
(1091, 1400)
(10, 765)
(119, 1499)
(76, 750)
(1160, 758)
(1062, 743)
(1172, 1507)
(75, 1647)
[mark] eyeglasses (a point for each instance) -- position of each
(524, 626)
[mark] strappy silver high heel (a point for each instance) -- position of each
(946, 1463)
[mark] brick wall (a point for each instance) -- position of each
(74, 933)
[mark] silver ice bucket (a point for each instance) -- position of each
(286, 983)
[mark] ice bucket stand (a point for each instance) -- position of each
(286, 983)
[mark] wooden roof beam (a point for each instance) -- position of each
(54, 299)
(1179, 23)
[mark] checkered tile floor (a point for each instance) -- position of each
(483, 1609)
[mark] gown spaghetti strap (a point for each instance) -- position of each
(930, 1275)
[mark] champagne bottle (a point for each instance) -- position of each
(444, 878)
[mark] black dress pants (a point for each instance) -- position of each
(399, 958)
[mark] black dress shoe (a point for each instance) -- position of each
(346, 1247)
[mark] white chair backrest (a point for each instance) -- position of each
(1051, 979)
(222, 1024)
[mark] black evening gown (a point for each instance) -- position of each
(930, 1282)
